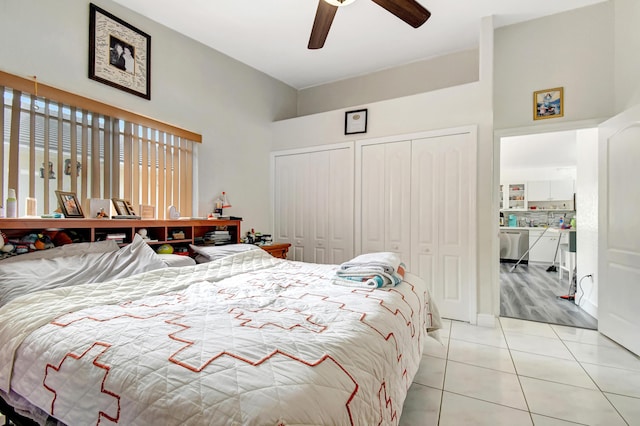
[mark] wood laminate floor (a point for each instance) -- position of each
(531, 293)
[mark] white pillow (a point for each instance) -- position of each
(209, 253)
(66, 250)
(33, 275)
(173, 260)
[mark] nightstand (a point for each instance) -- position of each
(277, 250)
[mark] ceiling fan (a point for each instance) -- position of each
(410, 11)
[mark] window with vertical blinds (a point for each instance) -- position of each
(49, 145)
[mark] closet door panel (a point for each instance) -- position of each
(397, 201)
(290, 198)
(316, 207)
(424, 212)
(374, 208)
(340, 206)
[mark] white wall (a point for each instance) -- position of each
(193, 87)
(587, 220)
(418, 77)
(627, 60)
(573, 50)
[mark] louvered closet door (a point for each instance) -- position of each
(441, 208)
(314, 204)
(290, 199)
(386, 199)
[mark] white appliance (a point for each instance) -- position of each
(513, 244)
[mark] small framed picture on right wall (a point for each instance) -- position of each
(548, 103)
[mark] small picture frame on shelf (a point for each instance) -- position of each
(69, 204)
(355, 121)
(123, 207)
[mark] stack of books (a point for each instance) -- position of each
(217, 237)
(117, 237)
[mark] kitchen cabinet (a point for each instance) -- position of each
(513, 196)
(550, 190)
(543, 250)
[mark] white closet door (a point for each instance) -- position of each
(340, 207)
(397, 173)
(386, 199)
(317, 207)
(441, 212)
(313, 204)
(290, 195)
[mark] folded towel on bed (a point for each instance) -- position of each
(369, 277)
(387, 260)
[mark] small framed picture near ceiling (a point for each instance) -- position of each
(355, 122)
(119, 53)
(548, 103)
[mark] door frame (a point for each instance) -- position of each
(498, 134)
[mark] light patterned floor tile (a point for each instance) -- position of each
(421, 407)
(459, 410)
(569, 403)
(481, 355)
(542, 367)
(628, 407)
(538, 345)
(604, 355)
(433, 347)
(472, 333)
(539, 420)
(582, 335)
(615, 380)
(485, 384)
(527, 327)
(431, 372)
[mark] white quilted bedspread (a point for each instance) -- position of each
(245, 340)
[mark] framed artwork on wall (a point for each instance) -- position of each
(119, 53)
(548, 103)
(355, 122)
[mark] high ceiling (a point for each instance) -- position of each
(272, 35)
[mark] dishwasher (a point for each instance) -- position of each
(514, 243)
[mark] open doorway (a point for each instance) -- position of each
(542, 178)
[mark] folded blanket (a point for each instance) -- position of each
(369, 277)
(387, 260)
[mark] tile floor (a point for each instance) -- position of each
(523, 373)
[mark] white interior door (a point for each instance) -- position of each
(289, 201)
(442, 208)
(619, 247)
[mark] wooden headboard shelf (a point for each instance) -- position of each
(94, 229)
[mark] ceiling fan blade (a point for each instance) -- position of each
(322, 24)
(410, 11)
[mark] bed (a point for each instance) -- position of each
(246, 339)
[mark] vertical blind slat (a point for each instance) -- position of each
(95, 157)
(84, 172)
(162, 177)
(144, 192)
(2, 197)
(127, 161)
(60, 135)
(153, 169)
(14, 142)
(107, 158)
(73, 139)
(32, 147)
(45, 162)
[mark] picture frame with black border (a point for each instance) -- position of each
(355, 121)
(119, 53)
(69, 204)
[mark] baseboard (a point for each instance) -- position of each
(589, 307)
(486, 320)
